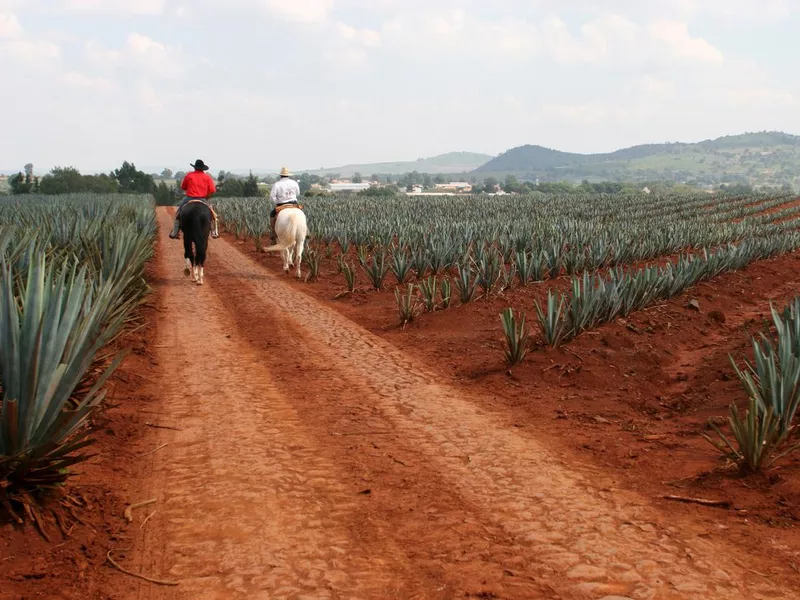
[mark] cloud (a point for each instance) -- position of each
(366, 37)
(141, 53)
(676, 36)
(80, 81)
(39, 55)
(10, 26)
(18, 46)
(120, 7)
(299, 11)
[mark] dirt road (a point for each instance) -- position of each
(310, 459)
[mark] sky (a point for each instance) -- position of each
(256, 84)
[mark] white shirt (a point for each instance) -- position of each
(284, 190)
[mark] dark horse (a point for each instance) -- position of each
(196, 227)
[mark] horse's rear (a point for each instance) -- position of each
(196, 227)
(291, 230)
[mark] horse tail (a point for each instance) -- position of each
(287, 238)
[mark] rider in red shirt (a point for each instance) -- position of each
(197, 185)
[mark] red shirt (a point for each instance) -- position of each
(198, 184)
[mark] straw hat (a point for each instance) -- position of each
(285, 172)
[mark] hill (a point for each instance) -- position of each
(452, 162)
(764, 158)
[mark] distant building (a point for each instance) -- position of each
(349, 187)
(416, 189)
(455, 186)
(646, 190)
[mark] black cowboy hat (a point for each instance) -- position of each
(200, 165)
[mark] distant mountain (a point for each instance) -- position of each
(764, 158)
(452, 162)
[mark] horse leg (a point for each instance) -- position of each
(188, 254)
(285, 254)
(298, 255)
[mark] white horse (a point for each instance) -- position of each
(291, 230)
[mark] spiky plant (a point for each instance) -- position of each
(516, 337)
(489, 269)
(552, 319)
(314, 260)
(349, 274)
(361, 254)
(466, 286)
(428, 290)
(446, 293)
(759, 436)
(51, 330)
(401, 265)
(376, 269)
(406, 304)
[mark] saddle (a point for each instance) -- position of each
(195, 201)
(278, 209)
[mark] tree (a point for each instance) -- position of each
(179, 177)
(250, 187)
(166, 174)
(490, 184)
(29, 172)
(166, 195)
(19, 185)
(427, 181)
(357, 178)
(511, 185)
(133, 181)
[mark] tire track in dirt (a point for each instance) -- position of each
(576, 535)
(247, 507)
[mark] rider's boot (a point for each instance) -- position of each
(175, 229)
(215, 229)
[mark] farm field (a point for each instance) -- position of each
(298, 439)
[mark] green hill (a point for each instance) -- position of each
(765, 158)
(452, 162)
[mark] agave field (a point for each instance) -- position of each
(620, 253)
(595, 259)
(71, 275)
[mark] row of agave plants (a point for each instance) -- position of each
(575, 232)
(71, 276)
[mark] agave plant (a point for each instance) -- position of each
(349, 274)
(759, 435)
(314, 260)
(406, 304)
(446, 293)
(552, 319)
(516, 337)
(401, 265)
(428, 290)
(376, 269)
(466, 286)
(51, 330)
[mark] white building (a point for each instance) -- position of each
(349, 187)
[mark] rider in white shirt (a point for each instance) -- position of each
(284, 191)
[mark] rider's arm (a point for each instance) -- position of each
(212, 188)
(273, 193)
(184, 183)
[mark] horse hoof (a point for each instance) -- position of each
(187, 271)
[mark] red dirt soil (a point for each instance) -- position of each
(629, 400)
(633, 396)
